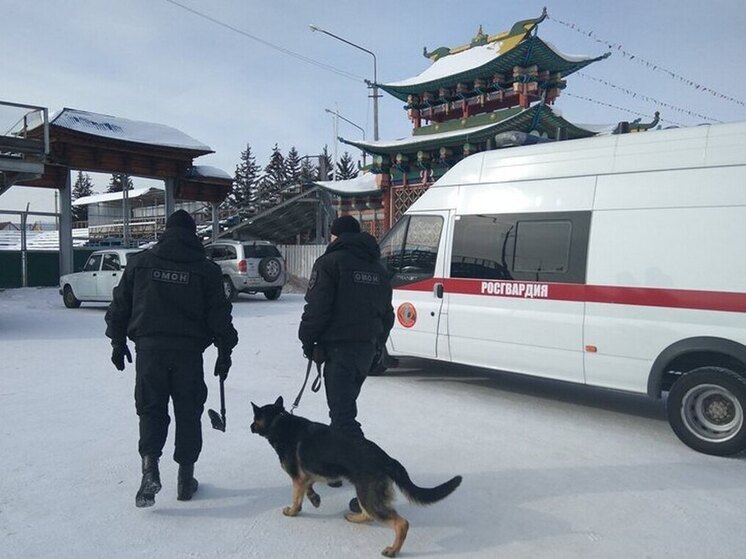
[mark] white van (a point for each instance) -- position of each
(617, 262)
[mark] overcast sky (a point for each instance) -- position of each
(156, 61)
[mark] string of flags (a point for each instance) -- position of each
(617, 107)
(646, 97)
(656, 67)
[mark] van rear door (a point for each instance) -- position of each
(410, 252)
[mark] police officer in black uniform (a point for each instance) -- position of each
(170, 302)
(347, 317)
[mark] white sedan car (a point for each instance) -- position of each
(100, 275)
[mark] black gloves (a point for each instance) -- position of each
(223, 363)
(314, 352)
(377, 366)
(118, 352)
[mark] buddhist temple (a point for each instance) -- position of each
(496, 91)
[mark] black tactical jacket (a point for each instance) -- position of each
(171, 297)
(349, 294)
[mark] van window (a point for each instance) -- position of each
(410, 249)
(527, 247)
(542, 246)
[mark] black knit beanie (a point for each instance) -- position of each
(345, 224)
(181, 218)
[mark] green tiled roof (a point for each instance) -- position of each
(540, 117)
(528, 52)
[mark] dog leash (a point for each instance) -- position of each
(315, 386)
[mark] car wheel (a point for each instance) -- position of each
(706, 410)
(270, 268)
(71, 301)
(228, 289)
(273, 294)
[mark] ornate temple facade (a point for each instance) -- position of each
(497, 91)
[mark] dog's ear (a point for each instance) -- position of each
(255, 407)
(279, 402)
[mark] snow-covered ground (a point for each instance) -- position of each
(550, 470)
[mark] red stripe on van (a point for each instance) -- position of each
(614, 295)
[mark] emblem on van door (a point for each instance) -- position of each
(406, 314)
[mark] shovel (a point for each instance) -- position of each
(218, 421)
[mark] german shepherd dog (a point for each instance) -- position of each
(311, 452)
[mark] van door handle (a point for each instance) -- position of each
(438, 290)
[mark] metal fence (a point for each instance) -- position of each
(299, 259)
(42, 266)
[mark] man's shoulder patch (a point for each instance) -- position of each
(170, 276)
(369, 278)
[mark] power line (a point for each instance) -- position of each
(617, 107)
(650, 65)
(647, 98)
(283, 50)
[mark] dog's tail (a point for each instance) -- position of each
(416, 494)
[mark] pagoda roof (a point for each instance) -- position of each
(497, 54)
(539, 116)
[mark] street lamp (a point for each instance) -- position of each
(373, 85)
(337, 115)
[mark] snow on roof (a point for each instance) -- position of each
(470, 59)
(454, 64)
(410, 140)
(116, 196)
(364, 183)
(208, 171)
(126, 130)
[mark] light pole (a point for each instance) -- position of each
(373, 85)
(337, 115)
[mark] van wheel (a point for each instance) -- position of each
(270, 268)
(69, 298)
(228, 289)
(706, 410)
(273, 294)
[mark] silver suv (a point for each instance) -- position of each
(249, 267)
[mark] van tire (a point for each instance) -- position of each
(707, 410)
(229, 290)
(69, 298)
(270, 268)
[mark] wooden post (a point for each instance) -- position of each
(66, 225)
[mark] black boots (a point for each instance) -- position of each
(187, 485)
(151, 482)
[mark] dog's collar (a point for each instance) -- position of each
(283, 413)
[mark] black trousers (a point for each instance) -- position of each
(345, 369)
(175, 374)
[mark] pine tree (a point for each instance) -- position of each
(328, 165)
(265, 193)
(244, 194)
(116, 182)
(346, 168)
(293, 174)
(83, 187)
(309, 172)
(275, 179)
